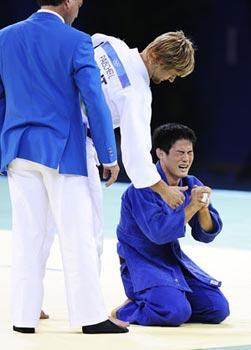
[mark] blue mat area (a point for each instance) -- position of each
(234, 207)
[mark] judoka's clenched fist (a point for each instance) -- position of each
(200, 196)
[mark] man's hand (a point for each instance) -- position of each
(110, 172)
(172, 195)
(200, 199)
(200, 196)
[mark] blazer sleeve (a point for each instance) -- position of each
(160, 223)
(87, 78)
(2, 110)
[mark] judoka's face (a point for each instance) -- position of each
(160, 74)
(73, 7)
(178, 161)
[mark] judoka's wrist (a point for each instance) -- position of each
(110, 164)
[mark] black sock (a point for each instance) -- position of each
(23, 329)
(104, 327)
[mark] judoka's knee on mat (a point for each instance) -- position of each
(213, 312)
(176, 313)
(219, 312)
(163, 311)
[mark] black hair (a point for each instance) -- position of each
(165, 136)
(49, 2)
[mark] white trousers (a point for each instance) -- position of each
(35, 190)
(96, 196)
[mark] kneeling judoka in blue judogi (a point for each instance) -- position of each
(163, 285)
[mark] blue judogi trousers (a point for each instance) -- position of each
(169, 306)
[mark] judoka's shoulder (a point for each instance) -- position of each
(142, 194)
(128, 192)
(99, 38)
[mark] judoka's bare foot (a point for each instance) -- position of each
(114, 311)
(43, 316)
(118, 322)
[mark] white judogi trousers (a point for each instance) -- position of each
(35, 190)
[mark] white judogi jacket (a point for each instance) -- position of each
(126, 86)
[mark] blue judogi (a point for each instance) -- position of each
(44, 64)
(166, 287)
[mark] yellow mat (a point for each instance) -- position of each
(233, 267)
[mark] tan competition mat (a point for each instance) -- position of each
(231, 266)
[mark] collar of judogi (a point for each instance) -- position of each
(163, 175)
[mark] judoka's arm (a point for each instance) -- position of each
(202, 217)
(87, 78)
(136, 144)
(199, 202)
(172, 195)
(205, 219)
(159, 222)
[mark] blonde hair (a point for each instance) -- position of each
(174, 51)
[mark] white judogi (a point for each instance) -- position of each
(32, 238)
(126, 86)
(125, 83)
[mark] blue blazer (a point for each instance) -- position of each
(45, 65)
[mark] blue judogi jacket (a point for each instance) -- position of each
(45, 65)
(148, 234)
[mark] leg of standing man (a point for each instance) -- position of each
(74, 221)
(96, 194)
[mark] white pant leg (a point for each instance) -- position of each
(71, 205)
(30, 242)
(96, 196)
